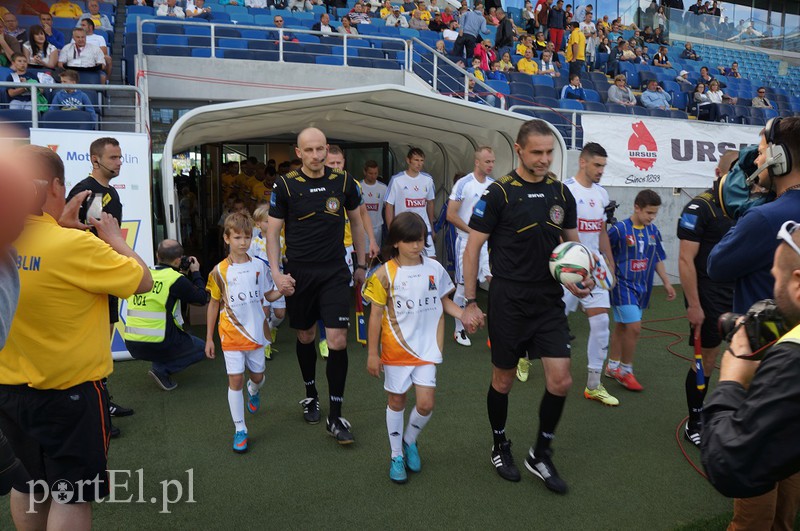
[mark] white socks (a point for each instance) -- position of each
(415, 424)
(236, 404)
(253, 387)
(394, 426)
(597, 347)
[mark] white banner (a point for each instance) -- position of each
(661, 153)
(132, 184)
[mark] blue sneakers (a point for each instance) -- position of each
(253, 401)
(412, 457)
(397, 471)
(240, 442)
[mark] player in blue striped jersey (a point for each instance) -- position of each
(638, 254)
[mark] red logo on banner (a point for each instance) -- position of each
(642, 148)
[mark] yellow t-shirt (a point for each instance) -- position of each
(424, 15)
(260, 192)
(521, 49)
(59, 337)
(386, 12)
(578, 37)
(68, 10)
(527, 66)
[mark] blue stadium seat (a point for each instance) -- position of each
(592, 95)
(594, 106)
(661, 113)
(197, 41)
(227, 32)
(618, 109)
(571, 104)
(170, 29)
(174, 51)
(243, 18)
(363, 62)
(318, 49)
(21, 119)
(239, 44)
(680, 115)
(296, 57)
(235, 9)
(372, 53)
(265, 55)
(220, 17)
(201, 52)
(543, 80)
(304, 37)
(544, 91)
(239, 54)
(409, 33)
(499, 86)
(544, 101)
(254, 34)
(197, 29)
(140, 10)
(263, 20)
(639, 111)
(521, 89)
(172, 40)
(519, 77)
(330, 60)
(386, 64)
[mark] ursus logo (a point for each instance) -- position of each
(642, 148)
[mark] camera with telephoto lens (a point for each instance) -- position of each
(763, 323)
(185, 263)
(609, 211)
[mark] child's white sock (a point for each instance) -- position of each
(394, 426)
(625, 368)
(236, 405)
(415, 424)
(613, 364)
(253, 387)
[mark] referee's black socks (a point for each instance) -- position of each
(336, 371)
(307, 358)
(549, 414)
(694, 396)
(497, 404)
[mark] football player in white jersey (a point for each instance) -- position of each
(591, 200)
(413, 191)
(465, 194)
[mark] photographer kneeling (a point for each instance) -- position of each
(752, 420)
(154, 327)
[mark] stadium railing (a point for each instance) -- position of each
(110, 115)
(243, 41)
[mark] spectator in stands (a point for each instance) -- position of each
(707, 78)
(148, 3)
(324, 25)
(604, 46)
(491, 17)
(33, 7)
(99, 41)
(473, 25)
(447, 15)
(552, 49)
(573, 90)
(416, 22)
(485, 53)
(701, 102)
(495, 73)
(422, 9)
(504, 39)
(623, 54)
(397, 20)
(542, 11)
(346, 28)
(557, 25)
(689, 53)
(257, 4)
(451, 33)
(505, 63)
(660, 18)
(300, 5)
(683, 78)
(604, 24)
(484, 98)
(642, 58)
(100, 20)
(20, 97)
(546, 66)
(715, 94)
(54, 37)
(476, 70)
(529, 17)
(440, 47)
(80, 55)
(761, 101)
(660, 59)
(39, 52)
(387, 9)
(70, 99)
(8, 46)
(576, 50)
(659, 37)
(655, 97)
(198, 10)
(170, 9)
(620, 92)
(527, 65)
(437, 25)
(409, 6)
(65, 9)
(733, 71)
(12, 28)
(358, 16)
(275, 35)
(525, 42)
(637, 39)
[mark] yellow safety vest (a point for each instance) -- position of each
(792, 336)
(147, 312)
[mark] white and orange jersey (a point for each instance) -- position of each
(412, 329)
(240, 289)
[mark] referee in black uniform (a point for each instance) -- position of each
(310, 203)
(701, 226)
(524, 215)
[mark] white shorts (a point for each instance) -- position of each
(235, 360)
(598, 298)
(378, 234)
(397, 379)
(483, 260)
(278, 304)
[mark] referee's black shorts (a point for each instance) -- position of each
(61, 436)
(321, 291)
(526, 318)
(714, 300)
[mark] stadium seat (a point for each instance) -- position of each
(21, 119)
(197, 41)
(661, 113)
(197, 29)
(521, 89)
(245, 54)
(235, 9)
(681, 115)
(220, 17)
(409, 33)
(172, 40)
(201, 52)
(306, 38)
(330, 60)
(297, 57)
(550, 103)
(571, 104)
(386, 64)
(592, 95)
(139, 10)
(242, 18)
(227, 32)
(542, 81)
(594, 106)
(232, 43)
(174, 51)
(172, 29)
(318, 49)
(680, 100)
(372, 53)
(499, 86)
(639, 111)
(265, 55)
(544, 91)
(363, 62)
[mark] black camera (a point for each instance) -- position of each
(763, 323)
(185, 263)
(609, 211)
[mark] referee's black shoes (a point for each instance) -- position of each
(339, 429)
(503, 461)
(115, 410)
(542, 467)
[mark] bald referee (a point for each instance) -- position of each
(523, 216)
(311, 203)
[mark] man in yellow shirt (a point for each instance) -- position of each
(53, 407)
(527, 65)
(65, 9)
(576, 49)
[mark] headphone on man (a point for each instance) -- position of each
(778, 158)
(113, 173)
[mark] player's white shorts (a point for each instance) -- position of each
(378, 234)
(278, 304)
(397, 379)
(598, 298)
(235, 360)
(483, 260)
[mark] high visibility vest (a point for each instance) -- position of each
(147, 312)
(792, 336)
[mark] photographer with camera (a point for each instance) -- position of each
(154, 326)
(752, 419)
(744, 256)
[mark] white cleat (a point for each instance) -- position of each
(462, 338)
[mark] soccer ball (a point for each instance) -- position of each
(571, 263)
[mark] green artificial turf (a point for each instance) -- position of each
(623, 465)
